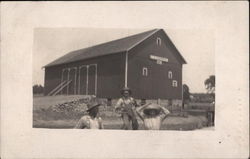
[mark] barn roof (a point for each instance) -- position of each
(116, 46)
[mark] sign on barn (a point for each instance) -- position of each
(157, 58)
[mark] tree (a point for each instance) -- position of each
(185, 94)
(37, 89)
(210, 85)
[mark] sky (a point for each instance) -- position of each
(196, 46)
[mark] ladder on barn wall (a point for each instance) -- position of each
(59, 88)
(54, 90)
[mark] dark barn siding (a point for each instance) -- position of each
(156, 84)
(110, 76)
(52, 79)
(111, 73)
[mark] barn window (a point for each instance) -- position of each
(158, 41)
(145, 71)
(175, 83)
(170, 74)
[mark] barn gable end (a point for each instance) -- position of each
(156, 83)
(171, 50)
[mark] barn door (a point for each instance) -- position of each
(64, 80)
(160, 81)
(92, 79)
(82, 85)
(72, 78)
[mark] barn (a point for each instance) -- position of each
(148, 63)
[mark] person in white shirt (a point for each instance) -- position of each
(91, 119)
(152, 115)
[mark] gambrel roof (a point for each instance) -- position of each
(112, 47)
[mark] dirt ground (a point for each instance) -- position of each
(43, 117)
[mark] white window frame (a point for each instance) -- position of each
(170, 74)
(87, 78)
(145, 71)
(175, 83)
(158, 41)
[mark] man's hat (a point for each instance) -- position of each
(92, 104)
(126, 89)
(152, 107)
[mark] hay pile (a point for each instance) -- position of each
(70, 109)
(75, 106)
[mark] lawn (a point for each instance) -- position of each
(44, 116)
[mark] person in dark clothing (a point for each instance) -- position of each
(126, 107)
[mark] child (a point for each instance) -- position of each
(152, 115)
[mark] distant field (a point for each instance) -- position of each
(43, 117)
(204, 106)
(200, 104)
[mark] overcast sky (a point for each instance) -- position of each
(196, 46)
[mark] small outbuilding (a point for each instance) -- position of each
(148, 63)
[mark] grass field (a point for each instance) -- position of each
(44, 117)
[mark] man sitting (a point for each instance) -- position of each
(90, 120)
(152, 115)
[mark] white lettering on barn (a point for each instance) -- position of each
(157, 58)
